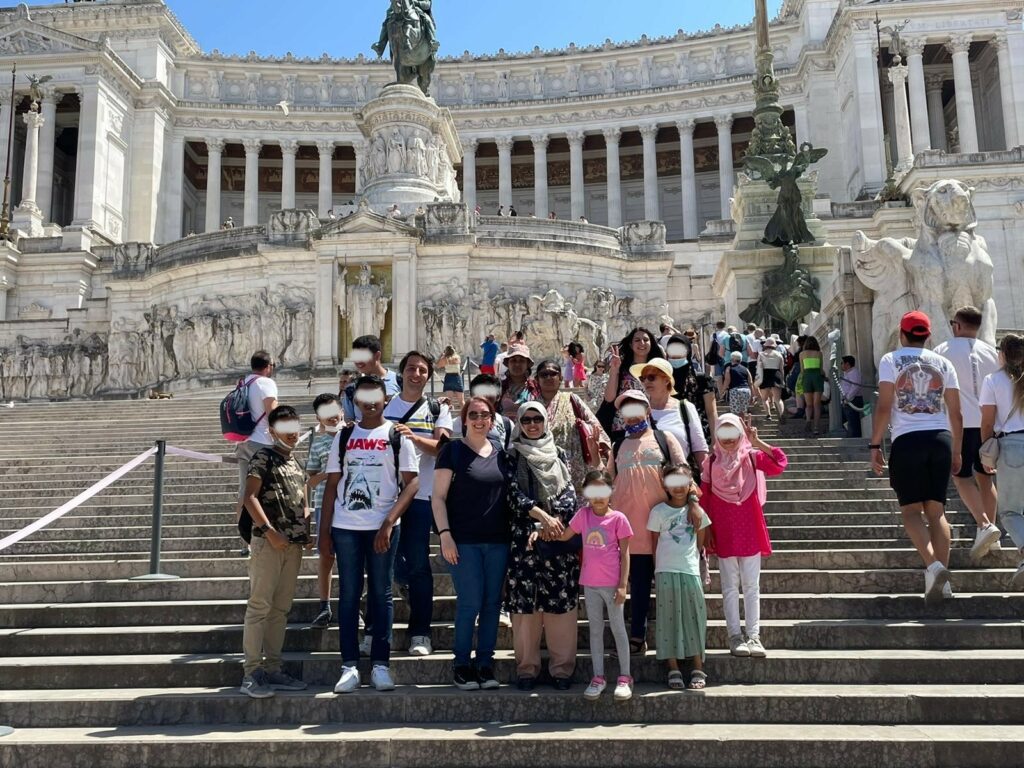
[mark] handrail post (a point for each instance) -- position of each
(158, 514)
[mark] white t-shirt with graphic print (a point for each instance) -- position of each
(921, 378)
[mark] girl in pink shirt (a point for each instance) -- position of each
(734, 492)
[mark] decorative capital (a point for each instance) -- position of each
(33, 120)
(325, 147)
(898, 75)
(914, 46)
(1000, 42)
(934, 81)
(648, 131)
(575, 138)
(540, 140)
(959, 43)
(289, 146)
(724, 122)
(612, 135)
(504, 143)
(215, 145)
(469, 146)
(686, 126)
(252, 146)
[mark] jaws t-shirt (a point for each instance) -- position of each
(368, 488)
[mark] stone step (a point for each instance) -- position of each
(821, 634)
(782, 667)
(508, 744)
(853, 704)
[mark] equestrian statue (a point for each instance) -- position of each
(410, 32)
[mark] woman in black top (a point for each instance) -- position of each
(470, 504)
(543, 577)
(637, 346)
(737, 383)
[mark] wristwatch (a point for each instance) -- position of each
(877, 447)
(264, 528)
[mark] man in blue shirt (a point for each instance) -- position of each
(490, 349)
(365, 354)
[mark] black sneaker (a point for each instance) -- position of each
(465, 679)
(487, 680)
(562, 683)
(323, 619)
(526, 683)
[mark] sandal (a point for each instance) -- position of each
(698, 680)
(637, 646)
(675, 680)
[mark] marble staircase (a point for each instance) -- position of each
(96, 669)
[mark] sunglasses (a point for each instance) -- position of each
(528, 420)
(651, 377)
(478, 415)
(548, 374)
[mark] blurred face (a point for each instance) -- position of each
(518, 367)
(370, 400)
(329, 416)
(633, 412)
(641, 345)
(416, 372)
(285, 433)
(365, 360)
(656, 383)
(728, 437)
(532, 424)
(550, 379)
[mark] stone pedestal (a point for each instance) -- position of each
(755, 202)
(413, 150)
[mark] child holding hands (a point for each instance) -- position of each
(677, 536)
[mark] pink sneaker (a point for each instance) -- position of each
(624, 688)
(595, 689)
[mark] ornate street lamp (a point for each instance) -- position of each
(5, 211)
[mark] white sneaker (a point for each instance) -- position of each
(595, 689)
(936, 576)
(381, 678)
(504, 619)
(1017, 582)
(983, 541)
(755, 648)
(420, 646)
(738, 646)
(947, 591)
(623, 688)
(349, 680)
(365, 644)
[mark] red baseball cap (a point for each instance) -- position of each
(917, 323)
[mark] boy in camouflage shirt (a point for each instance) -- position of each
(275, 498)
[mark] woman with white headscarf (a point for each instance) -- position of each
(542, 590)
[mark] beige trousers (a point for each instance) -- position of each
(272, 579)
(559, 633)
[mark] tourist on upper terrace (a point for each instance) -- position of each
(677, 416)
(366, 355)
(499, 362)
(636, 467)
(543, 575)
(1002, 417)
(329, 421)
(691, 381)
(682, 626)
(261, 392)
(813, 380)
(738, 383)
(371, 481)
(919, 398)
(573, 426)
(768, 377)
(852, 389)
(275, 497)
(637, 346)
(518, 386)
(470, 505)
(426, 422)
(451, 364)
(512, 211)
(490, 353)
(552, 216)
(973, 360)
(734, 493)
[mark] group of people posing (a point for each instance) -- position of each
(534, 498)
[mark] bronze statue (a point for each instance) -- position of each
(787, 224)
(789, 292)
(410, 32)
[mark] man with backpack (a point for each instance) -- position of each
(426, 423)
(372, 478)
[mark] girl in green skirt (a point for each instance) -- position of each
(677, 528)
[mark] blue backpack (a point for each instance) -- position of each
(236, 421)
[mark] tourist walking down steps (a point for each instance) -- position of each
(919, 397)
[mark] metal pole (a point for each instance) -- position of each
(158, 514)
(5, 211)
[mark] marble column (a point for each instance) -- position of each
(726, 177)
(959, 47)
(904, 153)
(868, 114)
(325, 197)
(251, 214)
(614, 176)
(148, 147)
(469, 173)
(920, 134)
(540, 175)
(92, 157)
(174, 189)
(504, 171)
(214, 175)
(652, 210)
(47, 145)
(688, 179)
(4, 287)
(1010, 128)
(289, 149)
(936, 114)
(576, 180)
(33, 122)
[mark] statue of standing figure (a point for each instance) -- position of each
(366, 304)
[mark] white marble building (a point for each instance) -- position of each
(142, 138)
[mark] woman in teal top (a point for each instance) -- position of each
(813, 382)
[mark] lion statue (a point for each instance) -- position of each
(946, 267)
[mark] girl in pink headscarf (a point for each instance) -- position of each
(734, 495)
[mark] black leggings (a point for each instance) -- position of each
(641, 579)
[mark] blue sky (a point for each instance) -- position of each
(348, 27)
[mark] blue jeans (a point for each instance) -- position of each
(478, 579)
(354, 554)
(413, 566)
